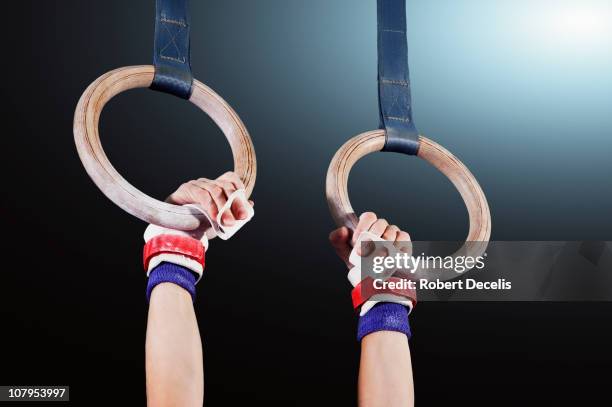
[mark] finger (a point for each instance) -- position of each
(379, 227)
(366, 220)
(181, 195)
(403, 236)
(403, 242)
(216, 193)
(229, 216)
(232, 177)
(228, 187)
(240, 209)
(390, 233)
(202, 198)
(340, 237)
(339, 240)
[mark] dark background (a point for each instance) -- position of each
(532, 125)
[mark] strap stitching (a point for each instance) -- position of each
(175, 22)
(384, 81)
(397, 105)
(398, 119)
(394, 82)
(165, 23)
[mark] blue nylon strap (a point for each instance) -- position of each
(394, 94)
(171, 49)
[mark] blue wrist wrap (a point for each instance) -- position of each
(171, 273)
(384, 317)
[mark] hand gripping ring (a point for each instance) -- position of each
(436, 155)
(114, 186)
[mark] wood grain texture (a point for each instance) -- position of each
(373, 141)
(113, 185)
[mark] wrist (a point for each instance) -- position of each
(384, 317)
(173, 274)
(174, 259)
(183, 251)
(193, 266)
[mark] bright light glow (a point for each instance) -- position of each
(580, 23)
(572, 23)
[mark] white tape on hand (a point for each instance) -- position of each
(217, 228)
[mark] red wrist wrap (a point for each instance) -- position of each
(365, 290)
(173, 244)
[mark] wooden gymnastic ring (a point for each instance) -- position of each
(439, 157)
(113, 185)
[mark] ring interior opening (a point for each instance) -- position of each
(409, 192)
(168, 151)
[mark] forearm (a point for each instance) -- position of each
(385, 372)
(175, 261)
(174, 361)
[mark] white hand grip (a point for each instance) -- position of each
(154, 230)
(354, 258)
(355, 277)
(225, 232)
(385, 298)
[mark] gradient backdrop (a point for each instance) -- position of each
(520, 90)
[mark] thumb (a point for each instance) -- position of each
(340, 239)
